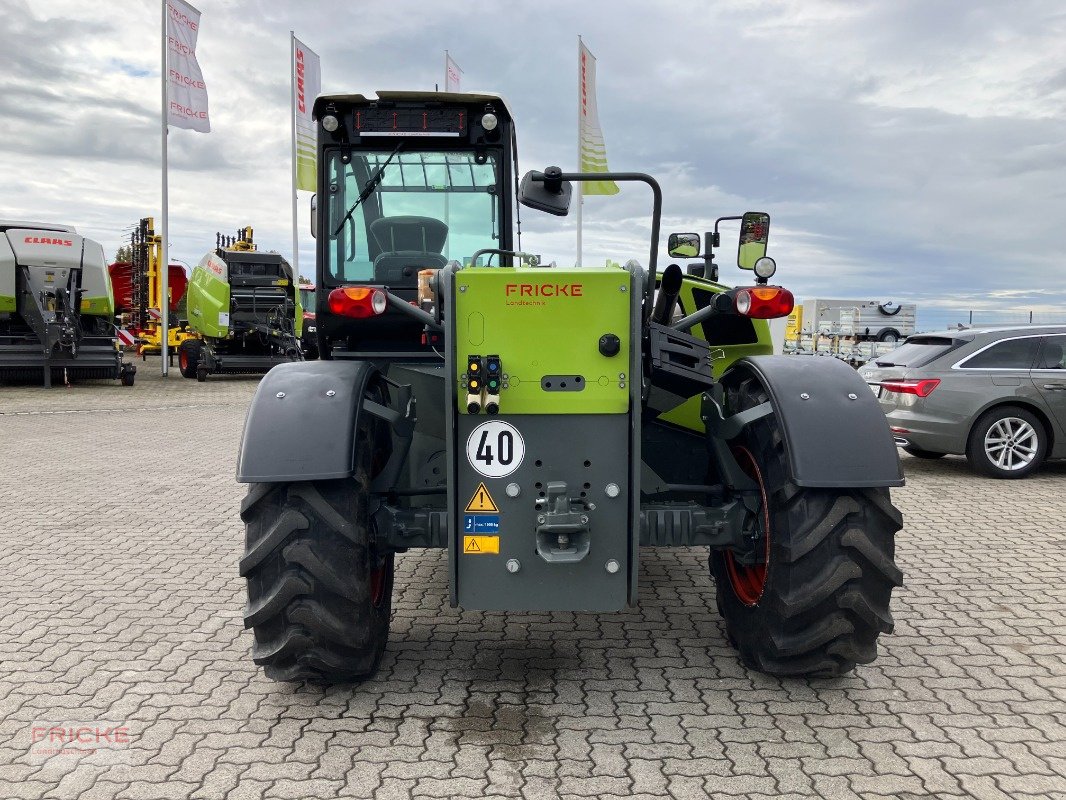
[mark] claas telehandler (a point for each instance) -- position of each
(545, 424)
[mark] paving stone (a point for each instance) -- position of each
(128, 609)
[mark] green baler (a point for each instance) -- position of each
(244, 307)
(56, 306)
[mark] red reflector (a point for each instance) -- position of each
(899, 430)
(922, 388)
(356, 301)
(764, 302)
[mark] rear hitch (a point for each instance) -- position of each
(564, 529)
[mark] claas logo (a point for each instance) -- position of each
(46, 240)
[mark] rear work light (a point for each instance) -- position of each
(764, 302)
(357, 301)
(922, 388)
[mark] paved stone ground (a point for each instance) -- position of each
(121, 605)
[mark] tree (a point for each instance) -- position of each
(124, 254)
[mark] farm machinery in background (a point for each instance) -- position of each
(56, 307)
(138, 293)
(244, 311)
(309, 338)
(852, 330)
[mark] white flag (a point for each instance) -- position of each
(307, 83)
(452, 74)
(591, 147)
(186, 91)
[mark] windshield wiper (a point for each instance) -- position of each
(368, 188)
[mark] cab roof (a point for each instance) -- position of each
(10, 224)
(413, 96)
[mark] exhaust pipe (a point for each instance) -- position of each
(666, 300)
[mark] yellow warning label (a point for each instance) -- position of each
(482, 501)
(481, 544)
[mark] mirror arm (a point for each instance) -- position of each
(695, 318)
(717, 238)
(656, 216)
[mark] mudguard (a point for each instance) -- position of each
(836, 435)
(302, 421)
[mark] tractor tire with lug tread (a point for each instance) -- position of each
(319, 593)
(189, 357)
(1007, 442)
(918, 452)
(819, 600)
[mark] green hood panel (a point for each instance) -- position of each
(207, 298)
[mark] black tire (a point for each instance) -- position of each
(127, 376)
(319, 592)
(918, 452)
(829, 569)
(189, 357)
(201, 374)
(889, 335)
(978, 455)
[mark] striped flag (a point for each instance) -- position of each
(591, 148)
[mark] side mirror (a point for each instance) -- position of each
(314, 216)
(545, 191)
(754, 234)
(683, 245)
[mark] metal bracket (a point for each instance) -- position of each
(722, 429)
(563, 532)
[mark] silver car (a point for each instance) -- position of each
(995, 395)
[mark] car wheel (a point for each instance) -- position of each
(888, 335)
(918, 452)
(1007, 442)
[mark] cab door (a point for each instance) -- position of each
(1049, 375)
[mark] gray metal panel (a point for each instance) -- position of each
(636, 383)
(305, 434)
(838, 437)
(557, 449)
(37, 254)
(451, 411)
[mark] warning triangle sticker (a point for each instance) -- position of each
(482, 501)
(471, 545)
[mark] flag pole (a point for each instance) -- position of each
(292, 120)
(580, 193)
(164, 268)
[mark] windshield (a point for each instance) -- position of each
(427, 209)
(307, 300)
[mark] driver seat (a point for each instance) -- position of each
(407, 244)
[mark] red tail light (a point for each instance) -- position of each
(764, 302)
(357, 301)
(922, 388)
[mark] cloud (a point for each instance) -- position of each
(906, 150)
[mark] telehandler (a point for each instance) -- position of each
(544, 424)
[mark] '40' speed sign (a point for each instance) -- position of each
(495, 449)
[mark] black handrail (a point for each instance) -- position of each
(656, 216)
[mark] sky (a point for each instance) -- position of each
(906, 151)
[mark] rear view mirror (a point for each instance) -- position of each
(545, 191)
(314, 216)
(754, 234)
(683, 245)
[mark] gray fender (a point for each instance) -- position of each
(296, 430)
(838, 436)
